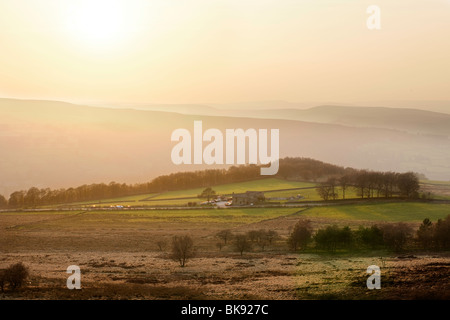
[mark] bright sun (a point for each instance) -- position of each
(97, 23)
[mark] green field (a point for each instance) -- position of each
(268, 184)
(391, 212)
(240, 187)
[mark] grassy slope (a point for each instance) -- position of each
(239, 187)
(255, 185)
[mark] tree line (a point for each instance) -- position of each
(393, 236)
(368, 183)
(371, 184)
(99, 191)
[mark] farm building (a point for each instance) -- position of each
(248, 198)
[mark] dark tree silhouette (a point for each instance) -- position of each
(15, 275)
(3, 202)
(301, 234)
(242, 243)
(325, 191)
(344, 182)
(182, 249)
(208, 193)
(396, 235)
(425, 233)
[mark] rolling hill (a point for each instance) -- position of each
(414, 121)
(409, 120)
(56, 144)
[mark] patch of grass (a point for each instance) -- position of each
(391, 212)
(239, 187)
(148, 218)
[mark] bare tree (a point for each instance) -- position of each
(253, 235)
(332, 183)
(242, 243)
(182, 249)
(261, 239)
(344, 182)
(224, 235)
(362, 183)
(324, 191)
(272, 235)
(207, 194)
(408, 185)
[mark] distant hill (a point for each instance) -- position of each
(403, 119)
(442, 106)
(195, 109)
(57, 144)
(409, 120)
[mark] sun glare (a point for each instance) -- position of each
(97, 23)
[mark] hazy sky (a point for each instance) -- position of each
(194, 51)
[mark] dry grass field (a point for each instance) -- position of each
(119, 258)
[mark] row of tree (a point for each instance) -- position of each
(182, 247)
(307, 169)
(368, 183)
(371, 184)
(394, 236)
(99, 191)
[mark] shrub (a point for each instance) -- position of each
(370, 237)
(332, 237)
(15, 275)
(301, 235)
(2, 280)
(442, 233)
(425, 234)
(396, 235)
